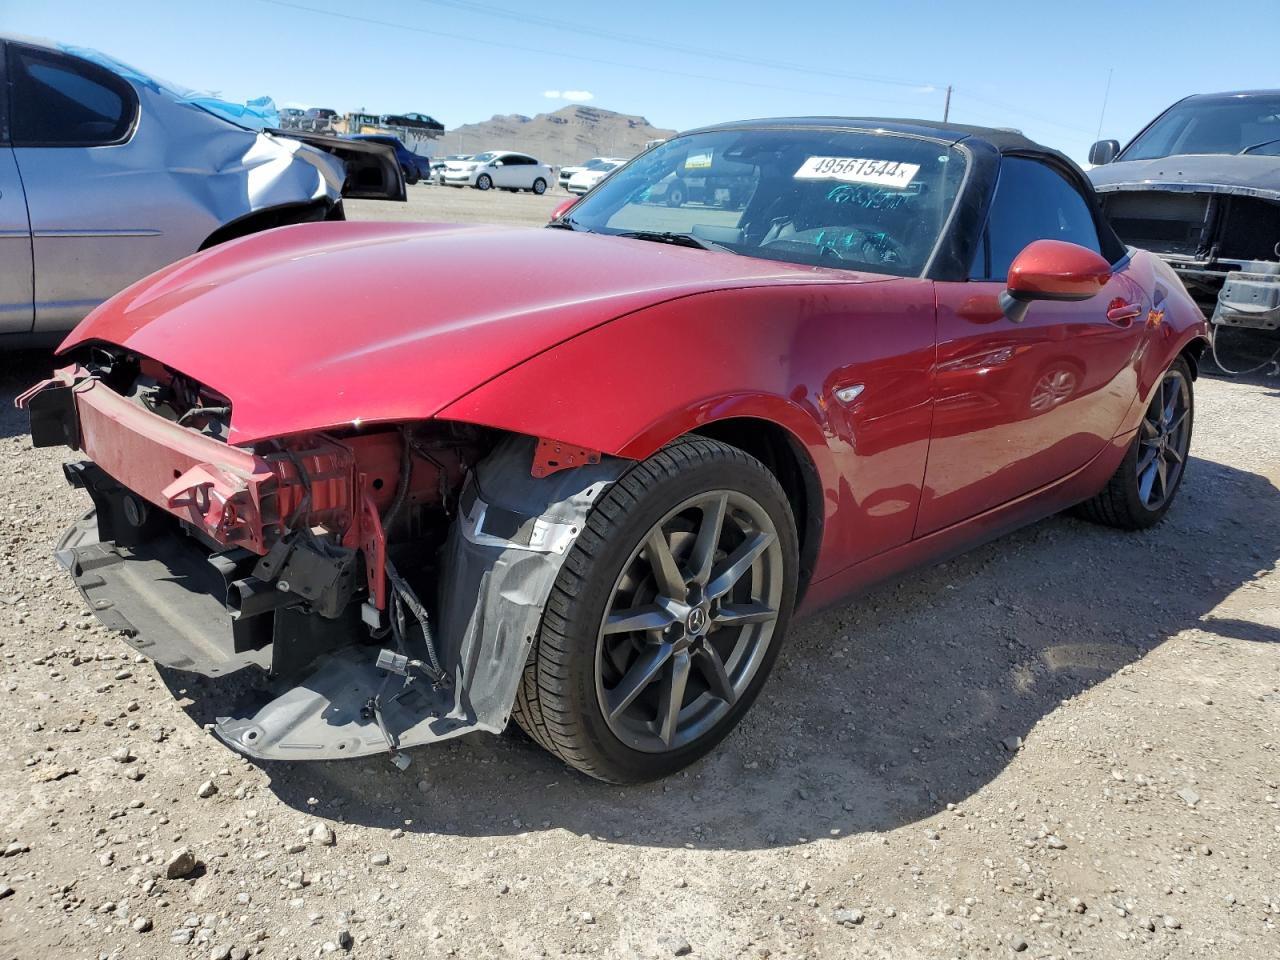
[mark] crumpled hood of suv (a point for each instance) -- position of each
(324, 325)
(1250, 175)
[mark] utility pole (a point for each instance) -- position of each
(946, 105)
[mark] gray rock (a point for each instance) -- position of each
(1018, 944)
(345, 940)
(1172, 923)
(674, 945)
(380, 859)
(1189, 796)
(849, 918)
(15, 848)
(1055, 843)
(6, 891)
(240, 953)
(1012, 744)
(323, 834)
(182, 937)
(142, 924)
(181, 863)
(220, 953)
(207, 790)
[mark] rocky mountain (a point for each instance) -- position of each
(569, 135)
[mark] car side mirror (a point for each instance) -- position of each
(496, 163)
(1104, 151)
(1052, 270)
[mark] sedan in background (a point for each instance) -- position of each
(414, 166)
(584, 180)
(439, 163)
(109, 175)
(595, 163)
(412, 121)
(318, 120)
(501, 169)
(581, 477)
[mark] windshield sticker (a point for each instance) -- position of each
(882, 173)
(698, 161)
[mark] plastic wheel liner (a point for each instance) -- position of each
(500, 559)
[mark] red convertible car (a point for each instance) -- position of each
(419, 479)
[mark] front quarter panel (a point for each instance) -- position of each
(777, 354)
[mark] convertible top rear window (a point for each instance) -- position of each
(858, 200)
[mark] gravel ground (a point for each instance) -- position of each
(1066, 743)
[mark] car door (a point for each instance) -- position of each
(1020, 405)
(505, 170)
(16, 312)
(71, 124)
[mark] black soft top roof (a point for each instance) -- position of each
(1005, 141)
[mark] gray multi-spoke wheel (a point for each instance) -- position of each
(689, 621)
(1143, 487)
(667, 615)
(1163, 440)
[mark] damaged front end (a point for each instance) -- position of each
(388, 582)
(1223, 241)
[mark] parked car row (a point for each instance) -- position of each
(322, 119)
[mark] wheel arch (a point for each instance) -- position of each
(786, 458)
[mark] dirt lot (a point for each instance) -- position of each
(1066, 743)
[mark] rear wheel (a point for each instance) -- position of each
(1144, 485)
(484, 182)
(666, 617)
(676, 194)
(539, 186)
(410, 176)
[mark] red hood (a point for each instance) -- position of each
(319, 325)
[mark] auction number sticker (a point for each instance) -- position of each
(882, 173)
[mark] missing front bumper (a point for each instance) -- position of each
(320, 677)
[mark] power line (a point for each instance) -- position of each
(372, 21)
(669, 46)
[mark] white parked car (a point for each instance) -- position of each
(595, 163)
(500, 168)
(584, 180)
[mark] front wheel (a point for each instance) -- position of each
(666, 617)
(1142, 489)
(484, 182)
(539, 186)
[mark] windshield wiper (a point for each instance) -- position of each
(675, 239)
(1255, 146)
(567, 223)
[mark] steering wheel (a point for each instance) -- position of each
(848, 244)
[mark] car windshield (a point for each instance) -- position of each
(595, 164)
(484, 157)
(1221, 125)
(859, 200)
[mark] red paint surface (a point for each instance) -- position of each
(967, 424)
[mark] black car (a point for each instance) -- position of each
(1200, 187)
(415, 167)
(318, 119)
(415, 121)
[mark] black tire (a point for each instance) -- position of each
(557, 703)
(410, 176)
(539, 186)
(1120, 504)
(676, 194)
(484, 182)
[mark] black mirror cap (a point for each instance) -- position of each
(1104, 151)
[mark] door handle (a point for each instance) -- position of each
(1122, 313)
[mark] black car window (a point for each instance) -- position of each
(63, 101)
(1032, 202)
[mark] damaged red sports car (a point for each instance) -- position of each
(427, 479)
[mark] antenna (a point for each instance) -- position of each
(946, 105)
(1105, 96)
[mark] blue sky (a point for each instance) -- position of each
(1040, 67)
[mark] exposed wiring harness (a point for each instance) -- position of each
(1272, 361)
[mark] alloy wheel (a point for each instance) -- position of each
(689, 621)
(1163, 440)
